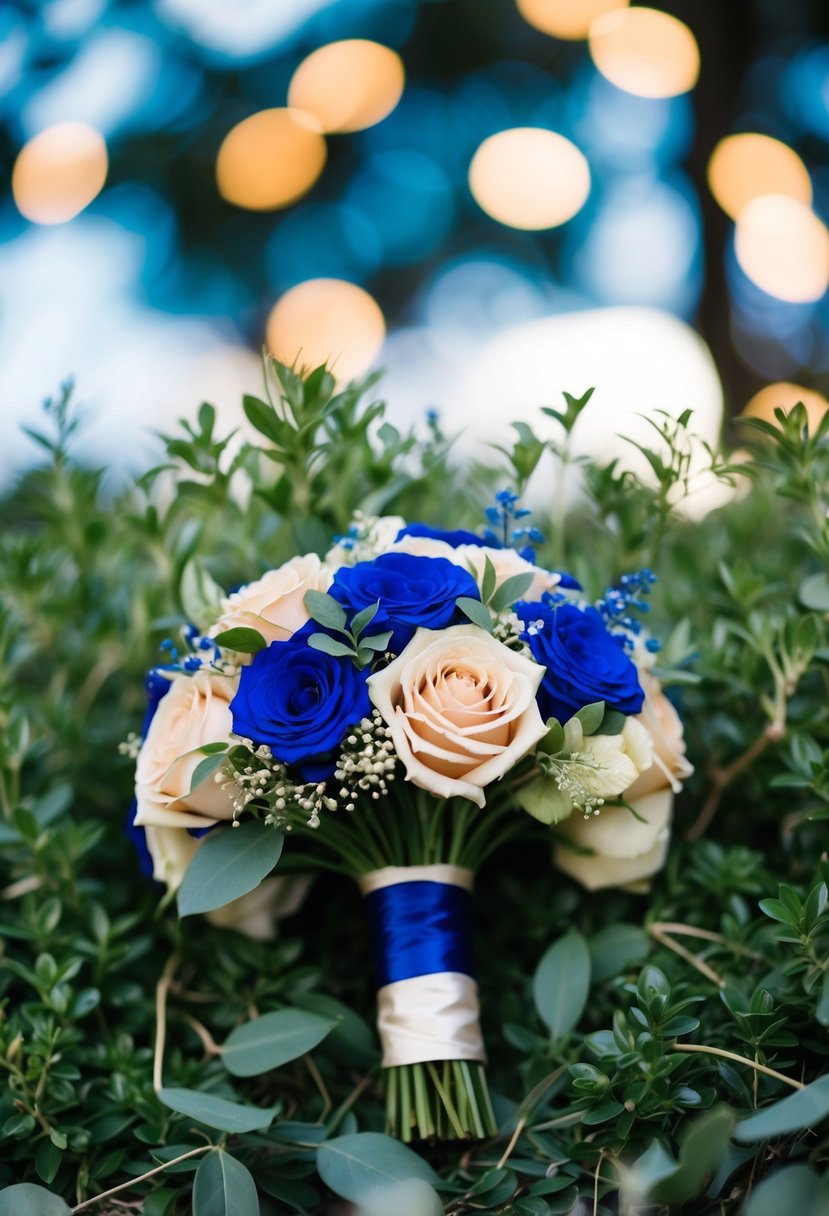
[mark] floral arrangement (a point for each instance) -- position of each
(402, 700)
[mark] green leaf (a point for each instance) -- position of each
(475, 611)
(325, 610)
(553, 741)
(329, 645)
(703, 1145)
(364, 618)
(26, 1199)
(814, 592)
(488, 580)
(614, 948)
(200, 594)
(543, 800)
(47, 1160)
(377, 642)
(264, 419)
(273, 1040)
(224, 1187)
(777, 910)
(355, 1166)
(246, 641)
(794, 1188)
(561, 983)
(216, 1112)
(804, 1109)
(206, 768)
(228, 863)
(511, 590)
(591, 717)
(613, 722)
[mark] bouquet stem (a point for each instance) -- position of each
(445, 1100)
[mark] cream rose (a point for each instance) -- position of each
(461, 707)
(506, 563)
(195, 711)
(255, 914)
(623, 849)
(425, 546)
(670, 765)
(274, 605)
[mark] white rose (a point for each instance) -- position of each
(194, 712)
(623, 849)
(506, 563)
(255, 914)
(461, 707)
(274, 605)
(610, 763)
(670, 765)
(426, 546)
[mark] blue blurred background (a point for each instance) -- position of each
(493, 199)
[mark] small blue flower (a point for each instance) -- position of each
(301, 702)
(584, 663)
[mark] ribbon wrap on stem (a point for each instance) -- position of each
(427, 1000)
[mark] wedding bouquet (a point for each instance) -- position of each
(400, 701)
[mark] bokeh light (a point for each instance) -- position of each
(783, 247)
(348, 85)
(529, 178)
(646, 52)
(59, 172)
(744, 167)
(327, 321)
(785, 395)
(270, 159)
(570, 19)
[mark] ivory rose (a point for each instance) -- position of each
(670, 764)
(624, 849)
(274, 605)
(425, 546)
(255, 914)
(461, 708)
(194, 712)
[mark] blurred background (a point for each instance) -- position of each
(493, 200)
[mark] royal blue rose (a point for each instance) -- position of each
(301, 702)
(459, 537)
(584, 662)
(412, 592)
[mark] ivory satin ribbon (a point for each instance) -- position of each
(432, 1016)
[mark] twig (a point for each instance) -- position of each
(516, 1136)
(22, 887)
(596, 1182)
(732, 1055)
(340, 1113)
(721, 778)
(123, 1186)
(688, 955)
(676, 927)
(211, 1047)
(320, 1084)
(161, 990)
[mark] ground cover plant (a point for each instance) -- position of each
(649, 1052)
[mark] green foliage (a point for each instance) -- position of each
(589, 1000)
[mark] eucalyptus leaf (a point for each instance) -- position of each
(364, 618)
(226, 1115)
(228, 863)
(224, 1187)
(273, 1040)
(543, 800)
(245, 641)
(329, 645)
(561, 983)
(26, 1199)
(793, 1188)
(614, 948)
(804, 1109)
(488, 580)
(814, 592)
(591, 717)
(325, 610)
(475, 611)
(511, 590)
(206, 768)
(356, 1166)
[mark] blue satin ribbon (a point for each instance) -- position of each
(419, 928)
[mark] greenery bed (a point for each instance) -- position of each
(647, 1052)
